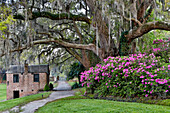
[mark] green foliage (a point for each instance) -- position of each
(51, 86)
(46, 88)
(159, 47)
(6, 19)
(124, 46)
(76, 69)
(150, 37)
(76, 85)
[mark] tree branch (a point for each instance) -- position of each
(58, 41)
(74, 55)
(145, 28)
(63, 60)
(55, 16)
(132, 19)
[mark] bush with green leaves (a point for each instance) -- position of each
(51, 86)
(46, 88)
(159, 47)
(135, 75)
(76, 69)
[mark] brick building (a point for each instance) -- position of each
(26, 80)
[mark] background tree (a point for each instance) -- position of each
(83, 28)
(75, 70)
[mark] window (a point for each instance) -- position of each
(36, 77)
(15, 78)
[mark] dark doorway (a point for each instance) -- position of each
(16, 94)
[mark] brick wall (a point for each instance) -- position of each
(26, 85)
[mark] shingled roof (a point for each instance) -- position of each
(31, 69)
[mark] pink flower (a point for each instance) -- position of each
(146, 95)
(152, 64)
(107, 86)
(152, 79)
(147, 67)
(147, 73)
(142, 76)
(125, 70)
(166, 91)
(151, 76)
(106, 83)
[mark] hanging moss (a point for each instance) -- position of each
(124, 46)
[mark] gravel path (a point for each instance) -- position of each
(33, 106)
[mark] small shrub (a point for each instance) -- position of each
(51, 86)
(46, 88)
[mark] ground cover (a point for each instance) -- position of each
(81, 105)
(21, 101)
(2, 92)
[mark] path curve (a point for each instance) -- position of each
(34, 105)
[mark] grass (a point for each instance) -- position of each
(71, 83)
(79, 91)
(2, 92)
(78, 104)
(21, 101)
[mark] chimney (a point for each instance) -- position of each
(25, 67)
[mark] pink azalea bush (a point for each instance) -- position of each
(129, 76)
(159, 47)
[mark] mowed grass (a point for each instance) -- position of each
(21, 101)
(68, 105)
(2, 92)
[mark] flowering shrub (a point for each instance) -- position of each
(129, 76)
(159, 47)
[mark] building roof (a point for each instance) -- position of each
(31, 69)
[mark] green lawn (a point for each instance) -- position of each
(21, 101)
(69, 105)
(2, 92)
(71, 83)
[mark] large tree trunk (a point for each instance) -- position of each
(105, 49)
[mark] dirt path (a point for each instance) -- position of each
(65, 91)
